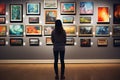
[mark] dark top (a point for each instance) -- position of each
(58, 40)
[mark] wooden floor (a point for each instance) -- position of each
(72, 72)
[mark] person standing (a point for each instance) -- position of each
(58, 38)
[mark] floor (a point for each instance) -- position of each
(72, 72)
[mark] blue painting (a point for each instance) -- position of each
(102, 30)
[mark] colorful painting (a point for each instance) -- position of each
(34, 41)
(116, 14)
(33, 8)
(102, 42)
(33, 30)
(2, 42)
(16, 13)
(48, 30)
(50, 16)
(85, 19)
(86, 8)
(2, 20)
(103, 15)
(3, 30)
(50, 4)
(16, 30)
(48, 41)
(116, 42)
(85, 42)
(68, 8)
(68, 19)
(33, 19)
(2, 9)
(116, 31)
(16, 42)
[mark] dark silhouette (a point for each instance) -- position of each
(58, 37)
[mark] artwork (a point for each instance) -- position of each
(50, 4)
(70, 41)
(33, 30)
(116, 31)
(48, 41)
(16, 13)
(34, 41)
(103, 15)
(33, 9)
(70, 30)
(85, 19)
(16, 30)
(103, 42)
(68, 8)
(50, 16)
(116, 42)
(33, 19)
(85, 42)
(2, 9)
(68, 19)
(102, 31)
(48, 30)
(2, 42)
(2, 20)
(85, 31)
(16, 42)
(116, 14)
(3, 30)
(86, 8)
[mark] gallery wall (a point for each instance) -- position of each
(74, 51)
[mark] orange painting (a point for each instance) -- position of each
(2, 30)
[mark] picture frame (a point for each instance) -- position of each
(85, 42)
(68, 19)
(85, 31)
(3, 30)
(116, 11)
(50, 4)
(102, 31)
(34, 20)
(33, 30)
(16, 42)
(102, 42)
(2, 9)
(48, 30)
(34, 41)
(50, 16)
(2, 42)
(16, 13)
(70, 41)
(16, 30)
(85, 20)
(33, 8)
(2, 20)
(103, 15)
(70, 30)
(68, 8)
(116, 42)
(48, 41)
(116, 30)
(86, 8)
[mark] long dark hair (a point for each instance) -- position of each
(58, 27)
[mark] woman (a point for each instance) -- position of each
(58, 37)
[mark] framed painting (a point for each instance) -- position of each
(70, 30)
(116, 42)
(34, 41)
(103, 42)
(68, 8)
(116, 31)
(33, 9)
(68, 19)
(50, 16)
(50, 4)
(3, 30)
(2, 9)
(16, 13)
(16, 30)
(85, 20)
(33, 30)
(16, 42)
(85, 42)
(33, 19)
(85, 31)
(103, 15)
(2, 20)
(116, 14)
(48, 30)
(70, 41)
(48, 41)
(2, 42)
(102, 31)
(86, 8)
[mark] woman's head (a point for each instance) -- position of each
(58, 26)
